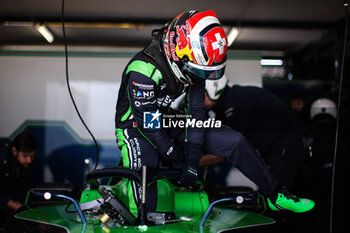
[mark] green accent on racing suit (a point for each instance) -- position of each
(146, 69)
(132, 204)
(124, 149)
(126, 115)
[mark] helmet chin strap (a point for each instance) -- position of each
(185, 81)
(178, 73)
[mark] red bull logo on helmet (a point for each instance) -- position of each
(172, 46)
(183, 47)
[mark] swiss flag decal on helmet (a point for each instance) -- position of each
(216, 45)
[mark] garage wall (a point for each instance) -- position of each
(33, 86)
(34, 96)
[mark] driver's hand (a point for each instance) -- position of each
(188, 176)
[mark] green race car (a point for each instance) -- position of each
(104, 208)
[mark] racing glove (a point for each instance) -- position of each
(174, 155)
(188, 176)
(189, 173)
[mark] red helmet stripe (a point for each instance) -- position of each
(198, 16)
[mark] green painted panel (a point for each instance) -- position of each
(219, 219)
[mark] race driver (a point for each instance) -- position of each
(183, 54)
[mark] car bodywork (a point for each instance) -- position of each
(180, 210)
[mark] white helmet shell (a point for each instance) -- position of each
(323, 106)
(214, 88)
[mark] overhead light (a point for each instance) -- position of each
(271, 62)
(232, 35)
(44, 32)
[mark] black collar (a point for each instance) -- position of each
(154, 51)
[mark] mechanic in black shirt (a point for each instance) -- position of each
(16, 169)
(268, 124)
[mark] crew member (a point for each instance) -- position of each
(16, 169)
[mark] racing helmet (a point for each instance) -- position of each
(214, 88)
(195, 46)
(323, 106)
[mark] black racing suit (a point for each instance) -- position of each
(148, 87)
(268, 124)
